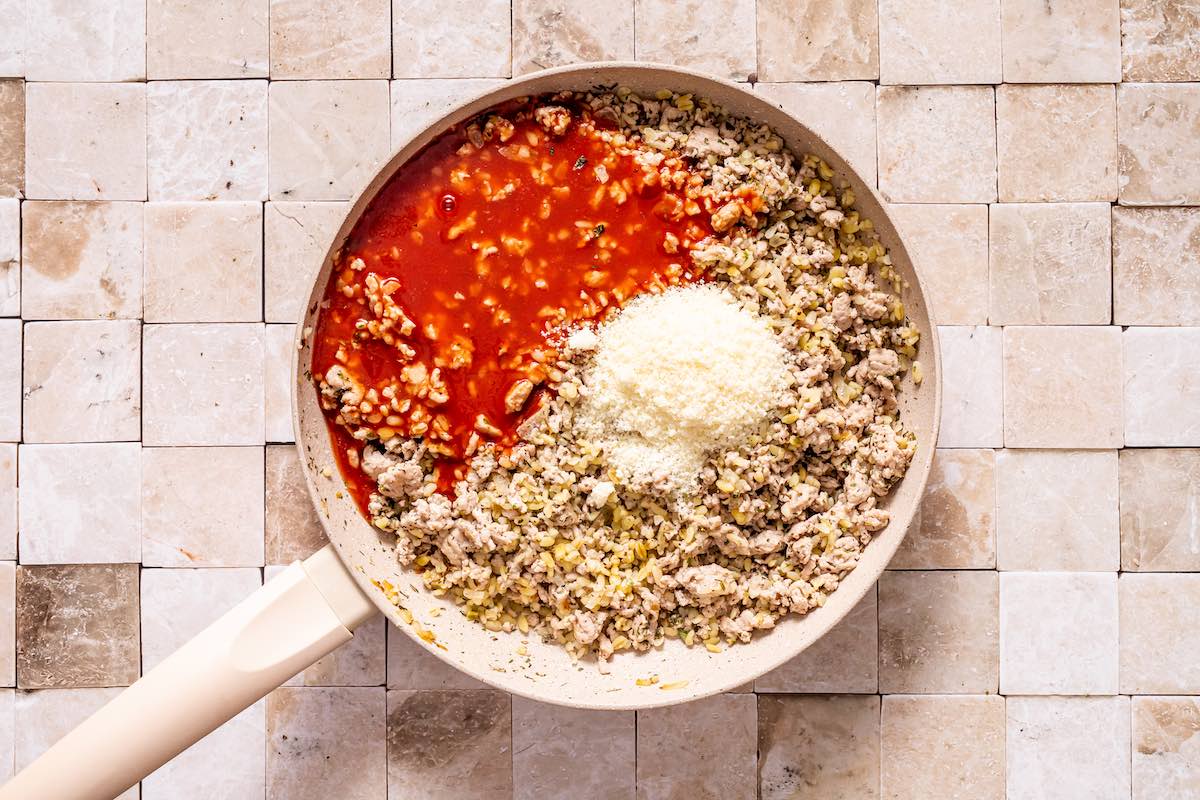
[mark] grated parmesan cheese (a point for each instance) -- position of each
(676, 376)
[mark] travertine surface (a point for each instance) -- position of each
(1030, 121)
(81, 260)
(949, 245)
(84, 142)
(819, 746)
(82, 381)
(1159, 143)
(1058, 633)
(1069, 41)
(1050, 264)
(1156, 266)
(207, 140)
(338, 39)
(79, 503)
(937, 144)
(972, 394)
(939, 747)
(566, 752)
(1160, 510)
(808, 40)
(1162, 397)
(449, 745)
(190, 520)
(1160, 40)
(204, 262)
(702, 749)
(927, 43)
(1160, 614)
(1166, 747)
(1057, 510)
(1091, 734)
(1044, 365)
(955, 527)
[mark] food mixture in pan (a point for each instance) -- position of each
(618, 369)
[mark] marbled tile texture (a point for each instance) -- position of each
(172, 172)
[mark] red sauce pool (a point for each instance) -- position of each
(493, 248)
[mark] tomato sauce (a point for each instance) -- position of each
(490, 249)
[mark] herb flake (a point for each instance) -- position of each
(580, 163)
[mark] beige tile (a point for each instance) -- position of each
(444, 745)
(77, 626)
(85, 141)
(937, 144)
(942, 747)
(1160, 492)
(1068, 41)
(416, 104)
(939, 632)
(229, 762)
(1166, 749)
(204, 262)
(79, 503)
(1057, 510)
(326, 137)
(202, 506)
(10, 257)
(202, 384)
(340, 39)
(452, 39)
(8, 733)
(295, 238)
(293, 530)
(1162, 401)
(1160, 653)
(949, 244)
(177, 604)
(8, 501)
(1158, 146)
(280, 354)
(1043, 365)
(842, 113)
(8, 633)
(207, 140)
(82, 381)
(1160, 40)
(44, 717)
(12, 47)
(1063, 748)
(843, 660)
(410, 666)
(81, 260)
(359, 662)
(705, 748)
(1029, 123)
(85, 40)
(929, 43)
(955, 526)
(818, 746)
(1068, 282)
(552, 33)
(10, 380)
(716, 37)
(806, 40)
(1151, 287)
(324, 743)
(12, 138)
(206, 38)
(1058, 633)
(972, 407)
(561, 752)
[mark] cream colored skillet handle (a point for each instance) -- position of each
(304, 613)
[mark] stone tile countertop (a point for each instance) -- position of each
(166, 165)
